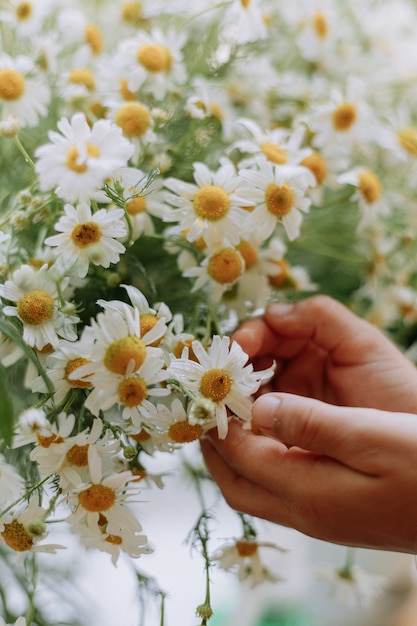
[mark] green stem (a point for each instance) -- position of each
(26, 495)
(23, 151)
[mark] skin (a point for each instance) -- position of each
(333, 448)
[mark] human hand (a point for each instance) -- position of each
(344, 475)
(326, 352)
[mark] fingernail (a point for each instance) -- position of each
(280, 308)
(266, 411)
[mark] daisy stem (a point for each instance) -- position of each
(180, 387)
(25, 495)
(346, 570)
(32, 575)
(23, 151)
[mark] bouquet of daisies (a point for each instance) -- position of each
(165, 172)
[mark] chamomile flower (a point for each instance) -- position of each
(368, 192)
(11, 483)
(175, 422)
(25, 18)
(278, 193)
(244, 21)
(242, 556)
(318, 26)
(80, 158)
(88, 238)
(23, 96)
(37, 306)
(153, 62)
(218, 272)
(351, 585)
(221, 375)
(209, 207)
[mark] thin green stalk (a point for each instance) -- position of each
(23, 151)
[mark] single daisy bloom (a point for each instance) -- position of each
(218, 272)
(80, 158)
(37, 307)
(351, 585)
(209, 207)
(222, 376)
(11, 483)
(317, 28)
(153, 62)
(25, 17)
(242, 556)
(88, 237)
(368, 191)
(174, 421)
(23, 95)
(278, 193)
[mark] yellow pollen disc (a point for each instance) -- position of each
(17, 537)
(155, 58)
(369, 186)
(139, 474)
(249, 253)
(72, 160)
(184, 432)
(215, 384)
(121, 353)
(279, 199)
(246, 548)
(317, 166)
(12, 84)
(46, 442)
(36, 307)
(84, 235)
(98, 110)
(407, 138)
(102, 520)
(179, 347)
(24, 10)
(70, 367)
(137, 205)
(46, 349)
(114, 540)
(216, 111)
(94, 38)
(225, 266)
(141, 436)
(125, 91)
(97, 498)
(320, 25)
(344, 116)
(131, 11)
(211, 203)
(274, 153)
(133, 118)
(279, 279)
(147, 322)
(82, 76)
(245, 3)
(78, 455)
(132, 391)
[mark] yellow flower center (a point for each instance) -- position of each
(369, 186)
(97, 498)
(82, 76)
(133, 118)
(46, 442)
(407, 138)
(211, 203)
(141, 436)
(344, 116)
(131, 11)
(249, 253)
(84, 235)
(12, 84)
(155, 58)
(125, 91)
(179, 347)
(279, 199)
(215, 384)
(132, 391)
(70, 367)
(72, 161)
(124, 353)
(147, 322)
(24, 10)
(246, 548)
(184, 432)
(78, 455)
(216, 111)
(225, 266)
(136, 205)
(245, 3)
(94, 38)
(317, 166)
(36, 307)
(274, 153)
(115, 540)
(17, 537)
(320, 25)
(280, 278)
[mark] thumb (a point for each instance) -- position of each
(363, 439)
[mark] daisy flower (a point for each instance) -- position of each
(153, 62)
(80, 158)
(351, 585)
(37, 307)
(222, 376)
(23, 96)
(368, 191)
(218, 272)
(11, 483)
(174, 421)
(244, 21)
(88, 238)
(209, 207)
(278, 194)
(242, 556)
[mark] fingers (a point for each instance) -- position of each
(366, 440)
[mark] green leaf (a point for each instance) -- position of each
(6, 409)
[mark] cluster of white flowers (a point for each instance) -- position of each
(164, 172)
